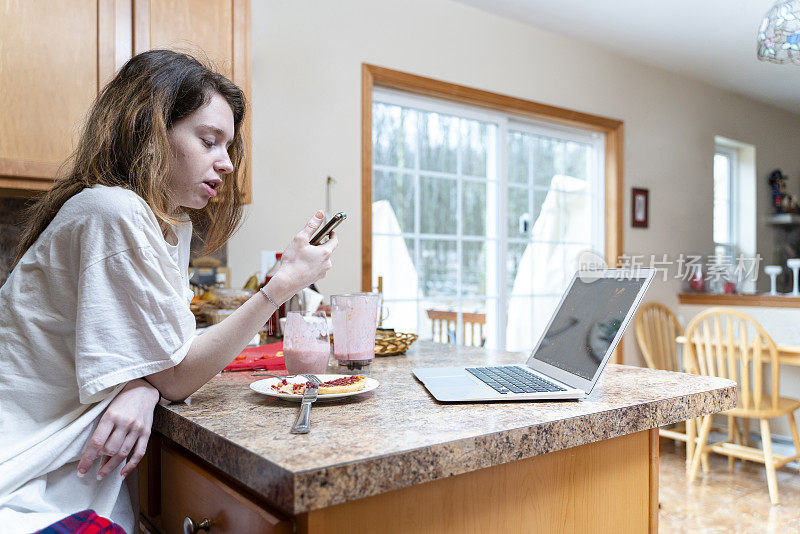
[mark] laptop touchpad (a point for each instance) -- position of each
(447, 381)
(460, 384)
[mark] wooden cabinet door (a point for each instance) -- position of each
(54, 57)
(190, 491)
(215, 31)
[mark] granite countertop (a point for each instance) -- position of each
(398, 435)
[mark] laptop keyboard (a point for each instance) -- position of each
(513, 380)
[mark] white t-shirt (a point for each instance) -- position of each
(99, 299)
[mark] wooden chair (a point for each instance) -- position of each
(441, 331)
(727, 343)
(656, 329)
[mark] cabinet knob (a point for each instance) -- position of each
(190, 527)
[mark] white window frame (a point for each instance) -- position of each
(496, 294)
(732, 246)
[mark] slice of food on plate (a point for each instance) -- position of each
(344, 384)
(289, 388)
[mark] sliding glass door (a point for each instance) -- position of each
(478, 218)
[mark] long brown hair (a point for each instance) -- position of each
(124, 143)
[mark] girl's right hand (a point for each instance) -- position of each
(124, 428)
(303, 264)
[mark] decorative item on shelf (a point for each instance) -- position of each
(773, 271)
(639, 207)
(778, 38)
(729, 287)
(794, 265)
(782, 202)
(697, 282)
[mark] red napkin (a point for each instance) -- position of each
(263, 357)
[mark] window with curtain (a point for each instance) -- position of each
(479, 214)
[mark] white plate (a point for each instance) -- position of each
(265, 388)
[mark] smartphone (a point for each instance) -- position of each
(335, 221)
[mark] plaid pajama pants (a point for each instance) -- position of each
(84, 522)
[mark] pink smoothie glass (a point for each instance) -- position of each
(355, 317)
(306, 345)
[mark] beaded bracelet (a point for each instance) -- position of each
(268, 298)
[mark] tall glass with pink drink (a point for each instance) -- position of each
(306, 345)
(355, 317)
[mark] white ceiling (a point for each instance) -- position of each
(713, 41)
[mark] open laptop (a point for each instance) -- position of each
(566, 363)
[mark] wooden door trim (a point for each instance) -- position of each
(114, 38)
(106, 45)
(374, 76)
(241, 71)
(141, 26)
(368, 80)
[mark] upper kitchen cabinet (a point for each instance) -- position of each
(216, 31)
(54, 56)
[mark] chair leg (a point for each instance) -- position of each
(772, 481)
(701, 445)
(746, 425)
(731, 439)
(704, 457)
(745, 435)
(795, 437)
(740, 430)
(691, 435)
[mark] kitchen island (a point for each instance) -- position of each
(396, 460)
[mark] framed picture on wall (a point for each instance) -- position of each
(640, 207)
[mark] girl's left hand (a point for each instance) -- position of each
(124, 427)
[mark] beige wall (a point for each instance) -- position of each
(307, 87)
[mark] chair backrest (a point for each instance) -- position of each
(442, 332)
(474, 321)
(440, 324)
(656, 329)
(730, 344)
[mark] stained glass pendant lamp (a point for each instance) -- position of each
(779, 33)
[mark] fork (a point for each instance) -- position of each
(303, 423)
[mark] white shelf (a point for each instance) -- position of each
(781, 219)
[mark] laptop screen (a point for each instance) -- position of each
(590, 316)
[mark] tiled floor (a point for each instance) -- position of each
(721, 501)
